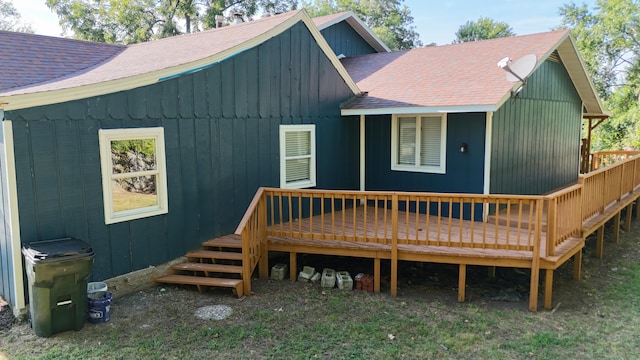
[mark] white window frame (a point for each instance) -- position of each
(395, 164)
(311, 182)
(106, 136)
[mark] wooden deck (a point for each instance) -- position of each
(534, 232)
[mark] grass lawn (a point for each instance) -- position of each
(596, 318)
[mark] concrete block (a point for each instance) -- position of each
(328, 278)
(279, 271)
(316, 277)
(344, 280)
(306, 273)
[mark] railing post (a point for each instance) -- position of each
(583, 208)
(603, 191)
(394, 244)
(535, 261)
(246, 261)
(263, 249)
(552, 225)
(621, 185)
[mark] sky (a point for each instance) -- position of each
(435, 20)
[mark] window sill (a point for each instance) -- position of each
(420, 169)
(299, 185)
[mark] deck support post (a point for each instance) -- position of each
(616, 227)
(394, 245)
(638, 209)
(548, 289)
(600, 242)
(293, 265)
(627, 220)
(577, 265)
(376, 275)
(462, 282)
(492, 272)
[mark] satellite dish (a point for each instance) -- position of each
(520, 69)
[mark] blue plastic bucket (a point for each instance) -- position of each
(100, 309)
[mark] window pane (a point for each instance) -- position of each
(430, 138)
(133, 155)
(297, 143)
(134, 193)
(298, 169)
(407, 140)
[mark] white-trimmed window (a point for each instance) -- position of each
(418, 143)
(134, 177)
(297, 156)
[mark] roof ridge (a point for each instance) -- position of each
(61, 38)
(484, 41)
(231, 27)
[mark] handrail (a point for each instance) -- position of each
(606, 186)
(564, 217)
(602, 159)
(252, 229)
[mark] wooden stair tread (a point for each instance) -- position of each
(193, 266)
(229, 241)
(199, 280)
(208, 254)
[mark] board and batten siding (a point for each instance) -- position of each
(221, 138)
(464, 171)
(346, 41)
(536, 135)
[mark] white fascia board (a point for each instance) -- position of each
(420, 110)
(361, 28)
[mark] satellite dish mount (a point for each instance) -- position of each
(519, 70)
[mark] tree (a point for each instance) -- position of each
(482, 29)
(133, 21)
(390, 20)
(10, 18)
(608, 37)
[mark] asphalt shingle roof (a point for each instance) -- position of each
(443, 76)
(27, 59)
(119, 62)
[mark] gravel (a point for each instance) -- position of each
(215, 312)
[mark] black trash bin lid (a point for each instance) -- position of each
(58, 248)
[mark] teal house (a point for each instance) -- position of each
(145, 151)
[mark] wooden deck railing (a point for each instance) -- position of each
(340, 215)
(602, 159)
(252, 230)
(394, 224)
(564, 218)
(604, 187)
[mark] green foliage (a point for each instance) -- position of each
(482, 29)
(133, 21)
(390, 20)
(607, 37)
(10, 18)
(142, 146)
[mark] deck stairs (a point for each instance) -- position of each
(217, 264)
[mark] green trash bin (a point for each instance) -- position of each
(57, 271)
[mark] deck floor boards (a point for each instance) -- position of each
(445, 236)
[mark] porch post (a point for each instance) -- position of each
(362, 153)
(487, 160)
